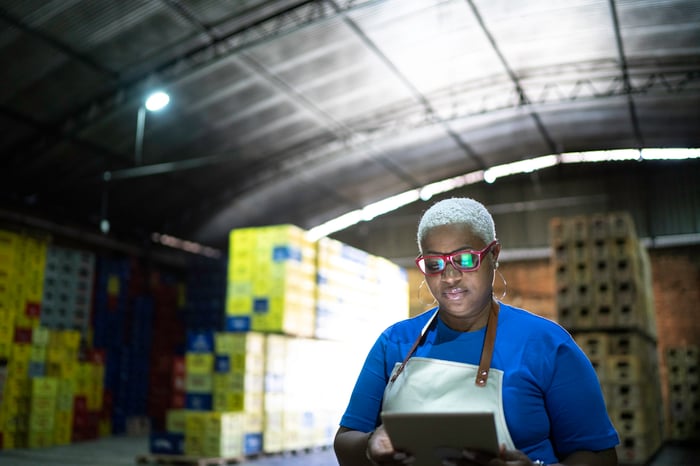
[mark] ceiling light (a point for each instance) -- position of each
(670, 154)
(489, 176)
(522, 166)
(157, 101)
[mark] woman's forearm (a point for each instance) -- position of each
(350, 447)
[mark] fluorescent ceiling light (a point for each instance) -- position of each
(429, 190)
(600, 156)
(523, 166)
(336, 224)
(389, 204)
(670, 154)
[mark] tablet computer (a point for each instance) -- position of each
(430, 436)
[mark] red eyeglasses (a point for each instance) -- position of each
(465, 261)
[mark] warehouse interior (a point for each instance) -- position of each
(343, 120)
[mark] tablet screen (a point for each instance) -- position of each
(430, 436)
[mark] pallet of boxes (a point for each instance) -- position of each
(605, 300)
(276, 378)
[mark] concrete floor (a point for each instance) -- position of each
(124, 451)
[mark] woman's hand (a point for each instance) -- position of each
(518, 458)
(380, 451)
(478, 458)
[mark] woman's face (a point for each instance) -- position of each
(464, 297)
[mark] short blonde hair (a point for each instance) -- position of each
(458, 210)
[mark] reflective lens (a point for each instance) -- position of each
(432, 264)
(465, 261)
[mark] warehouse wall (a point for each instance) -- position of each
(676, 273)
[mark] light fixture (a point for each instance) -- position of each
(490, 175)
(154, 102)
(157, 101)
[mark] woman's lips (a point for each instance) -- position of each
(454, 293)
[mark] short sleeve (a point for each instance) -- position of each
(575, 404)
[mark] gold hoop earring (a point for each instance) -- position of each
(505, 286)
(420, 298)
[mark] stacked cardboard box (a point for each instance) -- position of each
(604, 298)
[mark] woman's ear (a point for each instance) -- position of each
(496, 251)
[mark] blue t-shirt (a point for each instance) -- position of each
(552, 398)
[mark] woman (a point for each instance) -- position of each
(527, 370)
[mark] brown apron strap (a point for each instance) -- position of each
(413, 349)
(482, 374)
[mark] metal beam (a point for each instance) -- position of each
(429, 111)
(522, 96)
(625, 75)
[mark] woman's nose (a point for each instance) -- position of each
(451, 272)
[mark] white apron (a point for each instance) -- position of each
(434, 385)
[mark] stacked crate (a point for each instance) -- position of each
(16, 403)
(683, 369)
(123, 328)
(358, 294)
(298, 414)
(239, 380)
(166, 386)
(205, 293)
(67, 292)
(62, 359)
(223, 412)
(22, 260)
(89, 397)
(212, 434)
(604, 298)
(60, 401)
(22, 265)
(42, 411)
(250, 383)
(275, 370)
(603, 274)
(199, 371)
(271, 281)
